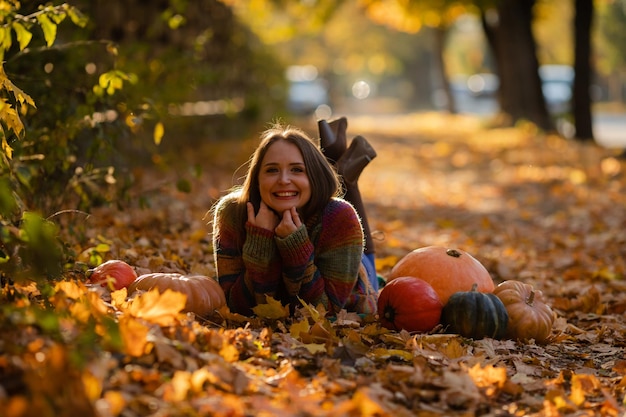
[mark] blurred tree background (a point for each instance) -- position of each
(131, 80)
(419, 54)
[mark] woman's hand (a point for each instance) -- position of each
(289, 223)
(265, 218)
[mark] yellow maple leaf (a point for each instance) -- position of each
(273, 309)
(118, 298)
(301, 326)
(314, 313)
(20, 96)
(159, 308)
(72, 289)
(583, 385)
(134, 335)
(8, 150)
(97, 306)
(80, 311)
(490, 378)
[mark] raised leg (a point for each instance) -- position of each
(333, 138)
(350, 162)
(349, 166)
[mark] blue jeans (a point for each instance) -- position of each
(370, 266)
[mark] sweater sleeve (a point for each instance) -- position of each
(326, 273)
(297, 254)
(243, 260)
(340, 252)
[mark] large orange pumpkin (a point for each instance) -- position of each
(204, 294)
(447, 270)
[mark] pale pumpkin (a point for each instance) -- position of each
(204, 294)
(530, 317)
(447, 270)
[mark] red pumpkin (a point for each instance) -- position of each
(409, 303)
(204, 294)
(447, 270)
(115, 273)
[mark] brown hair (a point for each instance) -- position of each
(323, 179)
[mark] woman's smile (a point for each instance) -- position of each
(286, 194)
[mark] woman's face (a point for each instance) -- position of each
(283, 180)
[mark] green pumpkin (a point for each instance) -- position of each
(475, 315)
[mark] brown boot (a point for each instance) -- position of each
(333, 138)
(355, 159)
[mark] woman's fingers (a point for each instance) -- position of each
(295, 217)
(251, 213)
(289, 223)
(266, 218)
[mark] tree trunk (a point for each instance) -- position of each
(581, 99)
(509, 34)
(440, 44)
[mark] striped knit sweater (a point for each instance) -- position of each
(318, 263)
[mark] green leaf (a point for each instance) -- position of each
(5, 38)
(4, 258)
(176, 21)
(23, 35)
(183, 185)
(102, 248)
(58, 17)
(49, 28)
(41, 252)
(104, 79)
(8, 204)
(77, 17)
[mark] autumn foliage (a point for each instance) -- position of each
(529, 206)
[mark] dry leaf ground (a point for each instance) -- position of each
(529, 206)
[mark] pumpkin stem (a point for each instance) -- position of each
(453, 252)
(474, 286)
(531, 298)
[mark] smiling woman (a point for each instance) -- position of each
(285, 233)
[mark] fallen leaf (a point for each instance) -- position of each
(273, 309)
(159, 308)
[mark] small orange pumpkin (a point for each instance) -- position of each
(530, 317)
(204, 294)
(448, 271)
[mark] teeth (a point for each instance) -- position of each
(286, 194)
